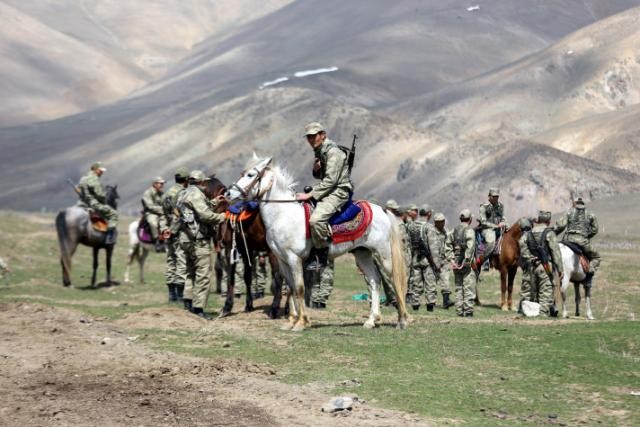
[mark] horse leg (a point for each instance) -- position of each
(131, 255)
(95, 266)
(276, 290)
(576, 287)
(563, 293)
(248, 278)
(303, 320)
(511, 276)
(231, 288)
(109, 250)
(141, 260)
(587, 297)
(291, 301)
(503, 289)
(364, 259)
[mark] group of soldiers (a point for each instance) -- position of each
(186, 219)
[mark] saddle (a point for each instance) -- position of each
(481, 244)
(577, 249)
(144, 231)
(97, 221)
(242, 211)
(349, 224)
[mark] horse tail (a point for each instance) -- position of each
(398, 267)
(63, 238)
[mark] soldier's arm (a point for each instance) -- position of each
(482, 218)
(204, 211)
(448, 247)
(336, 161)
(556, 255)
(470, 238)
(95, 188)
(525, 253)
(149, 204)
(561, 224)
(594, 226)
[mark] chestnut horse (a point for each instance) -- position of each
(506, 262)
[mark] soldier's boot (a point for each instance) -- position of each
(159, 246)
(179, 292)
(446, 301)
(257, 295)
(486, 265)
(173, 296)
(318, 259)
(318, 305)
(553, 311)
(187, 304)
(110, 236)
(430, 307)
(200, 313)
(415, 307)
(468, 314)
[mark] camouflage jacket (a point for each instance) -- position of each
(461, 245)
(169, 203)
(577, 221)
(152, 201)
(91, 190)
(491, 215)
(193, 199)
(550, 246)
(436, 240)
(334, 170)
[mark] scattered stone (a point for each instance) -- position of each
(553, 416)
(226, 345)
(351, 383)
(105, 341)
(503, 378)
(132, 338)
(85, 320)
(338, 404)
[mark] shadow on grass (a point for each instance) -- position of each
(99, 286)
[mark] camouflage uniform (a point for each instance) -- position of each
(417, 232)
(436, 241)
(321, 289)
(460, 247)
(490, 216)
(198, 221)
(533, 244)
(153, 211)
(259, 282)
(92, 195)
(331, 193)
(176, 270)
(525, 286)
(580, 226)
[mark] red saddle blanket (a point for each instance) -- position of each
(345, 231)
(97, 222)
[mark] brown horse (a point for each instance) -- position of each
(252, 231)
(506, 262)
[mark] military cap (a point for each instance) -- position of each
(98, 165)
(439, 217)
(392, 204)
(313, 128)
(159, 179)
(182, 172)
(425, 209)
(544, 216)
(579, 201)
(465, 214)
(412, 207)
(405, 209)
(525, 224)
(198, 176)
(493, 191)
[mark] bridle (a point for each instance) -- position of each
(257, 180)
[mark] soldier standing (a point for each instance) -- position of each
(198, 220)
(580, 226)
(176, 270)
(322, 286)
(259, 275)
(438, 272)
(417, 231)
(525, 286)
(92, 195)
(492, 223)
(541, 255)
(461, 245)
(153, 211)
(331, 193)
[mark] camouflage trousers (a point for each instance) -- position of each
(154, 224)
(541, 288)
(198, 257)
(525, 286)
(418, 282)
(587, 249)
(489, 236)
(324, 210)
(259, 282)
(222, 274)
(323, 285)
(176, 271)
(107, 212)
(465, 282)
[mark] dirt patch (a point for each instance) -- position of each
(163, 318)
(59, 367)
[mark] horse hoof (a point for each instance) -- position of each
(248, 309)
(223, 313)
(299, 327)
(591, 318)
(504, 308)
(286, 327)
(369, 325)
(565, 315)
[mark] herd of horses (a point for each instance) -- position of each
(279, 228)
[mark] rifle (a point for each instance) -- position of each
(352, 154)
(424, 248)
(75, 187)
(540, 253)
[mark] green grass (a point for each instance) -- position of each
(497, 369)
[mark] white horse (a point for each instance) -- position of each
(573, 273)
(137, 251)
(286, 236)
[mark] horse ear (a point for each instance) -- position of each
(255, 156)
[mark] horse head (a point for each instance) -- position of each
(112, 196)
(214, 187)
(251, 184)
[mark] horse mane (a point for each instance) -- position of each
(285, 180)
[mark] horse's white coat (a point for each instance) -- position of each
(137, 250)
(573, 273)
(286, 236)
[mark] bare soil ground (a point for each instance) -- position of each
(60, 367)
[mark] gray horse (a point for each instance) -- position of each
(74, 227)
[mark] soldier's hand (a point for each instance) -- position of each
(219, 198)
(262, 260)
(166, 234)
(303, 197)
